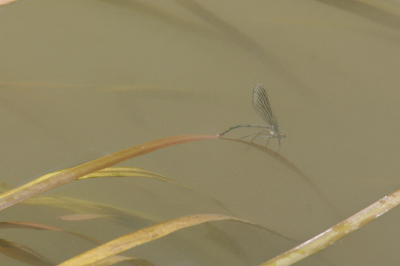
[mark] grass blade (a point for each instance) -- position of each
(336, 232)
(293, 168)
(142, 236)
(37, 226)
(46, 183)
(23, 253)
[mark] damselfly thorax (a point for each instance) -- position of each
(263, 108)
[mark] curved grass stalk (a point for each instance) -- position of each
(241, 39)
(377, 11)
(127, 172)
(5, 2)
(139, 172)
(25, 254)
(336, 232)
(291, 167)
(115, 214)
(142, 236)
(38, 226)
(46, 183)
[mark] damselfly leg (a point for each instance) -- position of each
(262, 107)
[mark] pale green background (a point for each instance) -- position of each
(82, 79)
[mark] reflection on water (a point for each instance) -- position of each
(81, 80)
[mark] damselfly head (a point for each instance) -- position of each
(263, 108)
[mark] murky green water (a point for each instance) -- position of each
(82, 79)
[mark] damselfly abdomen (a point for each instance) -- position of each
(263, 108)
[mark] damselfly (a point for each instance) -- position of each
(263, 109)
